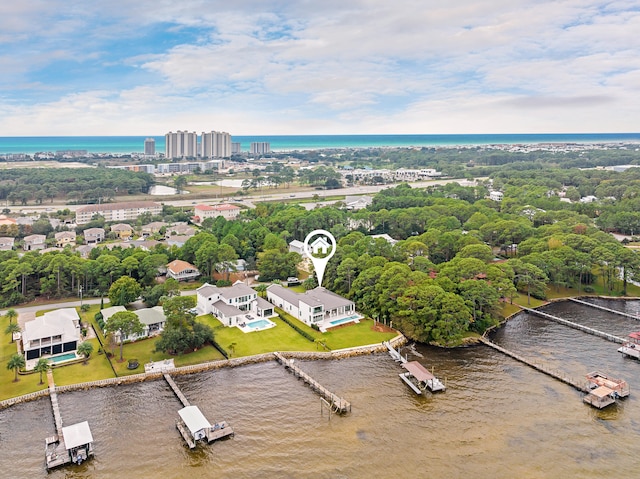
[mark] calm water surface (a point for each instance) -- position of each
(498, 418)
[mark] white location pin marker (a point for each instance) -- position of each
(325, 242)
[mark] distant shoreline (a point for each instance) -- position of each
(28, 145)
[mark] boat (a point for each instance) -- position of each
(619, 387)
(419, 378)
(631, 347)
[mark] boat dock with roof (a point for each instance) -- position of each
(417, 376)
(617, 386)
(422, 377)
(631, 347)
(193, 425)
(70, 444)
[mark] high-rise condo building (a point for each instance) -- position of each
(260, 147)
(236, 148)
(215, 144)
(182, 144)
(150, 147)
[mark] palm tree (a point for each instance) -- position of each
(261, 289)
(85, 349)
(11, 314)
(12, 328)
(16, 362)
(42, 366)
(232, 349)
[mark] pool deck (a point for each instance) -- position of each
(247, 329)
(325, 325)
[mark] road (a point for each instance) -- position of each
(250, 200)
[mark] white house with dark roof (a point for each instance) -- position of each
(318, 306)
(233, 305)
(53, 333)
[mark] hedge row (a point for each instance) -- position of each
(303, 333)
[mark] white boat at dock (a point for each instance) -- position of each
(631, 347)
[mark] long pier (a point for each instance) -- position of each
(608, 310)
(337, 404)
(55, 449)
(538, 367)
(181, 397)
(571, 324)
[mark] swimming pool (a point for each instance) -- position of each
(63, 357)
(259, 324)
(336, 322)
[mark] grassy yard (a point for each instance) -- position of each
(280, 338)
(27, 383)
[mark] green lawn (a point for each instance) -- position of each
(27, 383)
(280, 338)
(285, 338)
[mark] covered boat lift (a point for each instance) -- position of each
(424, 378)
(600, 397)
(194, 426)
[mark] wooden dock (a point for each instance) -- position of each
(55, 450)
(211, 433)
(394, 353)
(336, 403)
(176, 390)
(571, 324)
(608, 310)
(580, 386)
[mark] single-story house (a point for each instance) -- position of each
(34, 242)
(357, 202)
(153, 320)
(93, 235)
(182, 271)
(180, 229)
(6, 243)
(64, 238)
(52, 333)
(232, 305)
(317, 306)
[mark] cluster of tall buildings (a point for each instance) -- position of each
(184, 144)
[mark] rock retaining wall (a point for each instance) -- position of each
(197, 368)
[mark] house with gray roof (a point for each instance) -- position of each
(6, 243)
(93, 235)
(233, 305)
(153, 320)
(318, 306)
(34, 242)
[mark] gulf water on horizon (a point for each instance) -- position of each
(135, 144)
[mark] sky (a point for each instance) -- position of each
(286, 67)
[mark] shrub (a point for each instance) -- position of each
(589, 289)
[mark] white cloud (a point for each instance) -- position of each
(323, 67)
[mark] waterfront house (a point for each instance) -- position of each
(52, 333)
(34, 242)
(318, 306)
(64, 238)
(182, 271)
(232, 305)
(153, 320)
(93, 235)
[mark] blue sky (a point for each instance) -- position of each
(123, 67)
